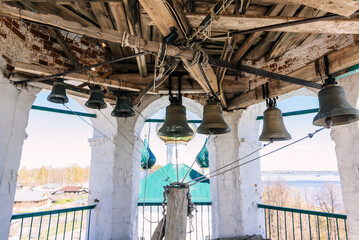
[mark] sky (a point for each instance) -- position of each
(60, 140)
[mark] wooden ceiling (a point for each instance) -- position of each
(151, 20)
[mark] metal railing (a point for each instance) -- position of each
(68, 223)
(292, 223)
(199, 228)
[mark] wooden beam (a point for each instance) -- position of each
(103, 19)
(340, 7)
(46, 71)
(105, 35)
(338, 61)
(163, 18)
(61, 40)
(245, 22)
(268, 41)
(288, 41)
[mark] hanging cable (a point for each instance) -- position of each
(310, 135)
(204, 145)
(176, 158)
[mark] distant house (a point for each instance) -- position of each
(28, 197)
(71, 191)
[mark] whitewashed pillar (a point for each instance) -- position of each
(236, 193)
(346, 139)
(14, 115)
(114, 180)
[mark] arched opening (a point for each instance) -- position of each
(151, 191)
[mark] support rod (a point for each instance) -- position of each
(263, 73)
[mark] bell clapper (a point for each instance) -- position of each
(328, 122)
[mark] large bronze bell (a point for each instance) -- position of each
(58, 92)
(273, 125)
(213, 122)
(96, 99)
(334, 109)
(175, 124)
(123, 107)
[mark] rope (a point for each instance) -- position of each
(310, 135)
(176, 158)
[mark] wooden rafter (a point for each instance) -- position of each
(163, 17)
(106, 35)
(340, 7)
(338, 61)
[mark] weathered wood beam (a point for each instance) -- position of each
(105, 35)
(47, 71)
(338, 61)
(163, 18)
(245, 22)
(61, 40)
(288, 41)
(133, 18)
(268, 41)
(340, 7)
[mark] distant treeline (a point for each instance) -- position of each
(74, 175)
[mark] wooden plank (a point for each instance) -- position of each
(103, 19)
(163, 18)
(105, 35)
(338, 61)
(46, 71)
(244, 22)
(340, 7)
(133, 18)
(60, 39)
(288, 41)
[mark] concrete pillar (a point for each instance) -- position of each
(346, 139)
(14, 114)
(236, 193)
(114, 179)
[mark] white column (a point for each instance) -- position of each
(346, 138)
(14, 115)
(171, 153)
(236, 193)
(114, 180)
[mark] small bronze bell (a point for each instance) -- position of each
(123, 107)
(58, 92)
(334, 109)
(273, 125)
(96, 99)
(175, 124)
(213, 122)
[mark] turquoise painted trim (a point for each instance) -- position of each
(295, 113)
(55, 110)
(58, 211)
(352, 70)
(162, 120)
(295, 210)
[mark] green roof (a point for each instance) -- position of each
(200, 192)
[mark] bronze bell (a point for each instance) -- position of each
(213, 122)
(58, 92)
(334, 109)
(123, 107)
(273, 125)
(96, 99)
(175, 124)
